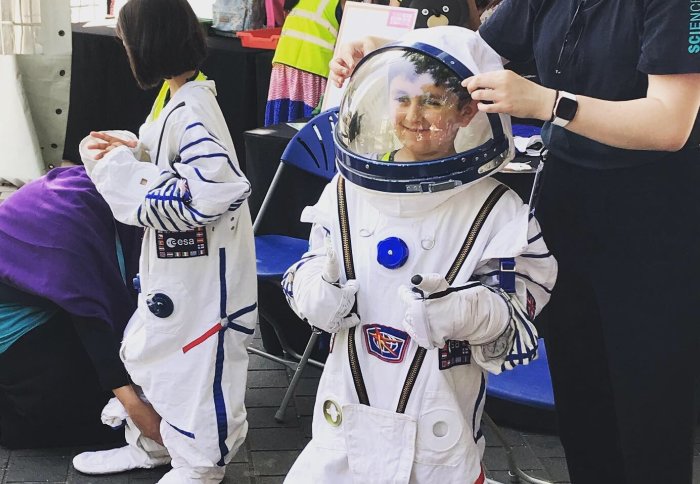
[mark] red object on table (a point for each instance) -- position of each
(260, 38)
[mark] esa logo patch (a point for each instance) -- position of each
(192, 243)
(386, 343)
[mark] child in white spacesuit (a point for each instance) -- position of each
(185, 345)
(427, 272)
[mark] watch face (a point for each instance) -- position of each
(566, 108)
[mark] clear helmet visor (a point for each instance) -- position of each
(405, 106)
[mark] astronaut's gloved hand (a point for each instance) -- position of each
(323, 301)
(416, 320)
(437, 312)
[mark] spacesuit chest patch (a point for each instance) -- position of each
(454, 353)
(531, 306)
(386, 343)
(178, 245)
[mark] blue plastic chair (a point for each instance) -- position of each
(311, 150)
(529, 385)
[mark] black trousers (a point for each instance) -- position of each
(49, 391)
(623, 329)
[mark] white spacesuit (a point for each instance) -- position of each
(427, 272)
(186, 344)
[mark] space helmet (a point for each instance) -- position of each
(405, 123)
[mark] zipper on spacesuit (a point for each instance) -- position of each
(419, 357)
(490, 202)
(411, 377)
(345, 230)
(355, 369)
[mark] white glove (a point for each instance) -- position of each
(437, 312)
(416, 320)
(321, 299)
(114, 414)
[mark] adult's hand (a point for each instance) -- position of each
(349, 54)
(507, 92)
(141, 413)
(109, 142)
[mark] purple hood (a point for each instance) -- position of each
(57, 240)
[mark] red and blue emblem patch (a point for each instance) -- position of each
(531, 306)
(386, 343)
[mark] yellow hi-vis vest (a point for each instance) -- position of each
(308, 36)
(164, 95)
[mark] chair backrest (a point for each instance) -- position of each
(312, 149)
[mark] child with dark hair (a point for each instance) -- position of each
(185, 346)
(428, 107)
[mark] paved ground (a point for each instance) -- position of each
(271, 448)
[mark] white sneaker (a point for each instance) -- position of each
(116, 460)
(491, 481)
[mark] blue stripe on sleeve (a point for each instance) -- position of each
(201, 140)
(536, 256)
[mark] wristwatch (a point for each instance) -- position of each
(565, 107)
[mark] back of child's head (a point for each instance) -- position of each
(163, 39)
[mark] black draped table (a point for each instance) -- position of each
(104, 94)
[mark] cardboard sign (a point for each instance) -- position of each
(363, 19)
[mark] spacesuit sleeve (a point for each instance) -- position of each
(201, 184)
(312, 262)
(534, 275)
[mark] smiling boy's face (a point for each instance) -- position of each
(426, 117)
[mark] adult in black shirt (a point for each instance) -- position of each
(619, 211)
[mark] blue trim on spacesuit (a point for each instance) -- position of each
(200, 214)
(495, 273)
(159, 220)
(533, 239)
(201, 140)
(169, 197)
(238, 314)
(181, 214)
(537, 256)
(201, 177)
(479, 397)
(183, 432)
(206, 155)
(199, 123)
(219, 401)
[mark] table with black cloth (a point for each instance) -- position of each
(104, 94)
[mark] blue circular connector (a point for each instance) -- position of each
(392, 253)
(160, 305)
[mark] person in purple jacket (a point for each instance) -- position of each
(64, 302)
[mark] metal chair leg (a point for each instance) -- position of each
(279, 415)
(515, 472)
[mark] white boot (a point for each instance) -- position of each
(116, 460)
(197, 475)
